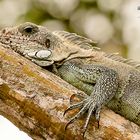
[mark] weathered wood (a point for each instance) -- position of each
(35, 99)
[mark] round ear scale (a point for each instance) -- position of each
(43, 54)
(40, 54)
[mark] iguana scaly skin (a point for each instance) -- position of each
(107, 79)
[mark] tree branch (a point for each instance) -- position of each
(35, 99)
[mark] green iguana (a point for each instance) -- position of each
(107, 79)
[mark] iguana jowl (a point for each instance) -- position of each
(107, 79)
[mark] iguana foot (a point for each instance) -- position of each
(87, 105)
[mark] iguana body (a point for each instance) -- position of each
(107, 79)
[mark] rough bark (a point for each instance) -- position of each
(35, 99)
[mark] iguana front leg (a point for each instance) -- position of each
(103, 80)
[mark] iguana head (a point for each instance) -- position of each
(42, 46)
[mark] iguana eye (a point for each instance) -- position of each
(28, 29)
